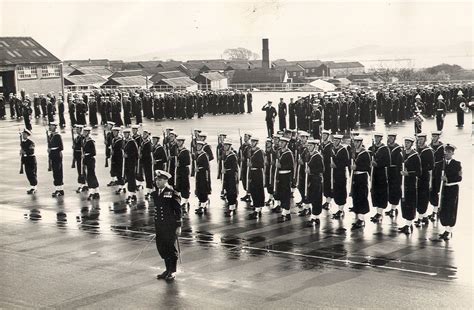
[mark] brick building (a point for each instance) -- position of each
(25, 64)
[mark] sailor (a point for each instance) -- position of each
(183, 161)
(393, 173)
(340, 162)
(117, 160)
(360, 179)
(438, 152)
(424, 181)
(314, 177)
(203, 188)
(28, 159)
(88, 161)
(326, 150)
(146, 162)
(55, 156)
(256, 179)
(379, 185)
(285, 167)
(230, 177)
(130, 153)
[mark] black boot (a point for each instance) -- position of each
(392, 213)
(254, 215)
(31, 191)
(276, 210)
(163, 275)
(199, 211)
(445, 236)
(433, 217)
(406, 229)
(326, 206)
(304, 212)
(112, 183)
(229, 213)
(358, 224)
(338, 215)
(313, 222)
(377, 218)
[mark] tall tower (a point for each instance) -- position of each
(265, 54)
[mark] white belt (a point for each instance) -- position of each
(360, 172)
(452, 184)
(255, 168)
(284, 171)
(53, 148)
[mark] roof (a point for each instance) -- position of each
(306, 64)
(102, 71)
(341, 81)
(128, 73)
(213, 76)
(170, 64)
(323, 85)
(23, 50)
(131, 65)
(87, 62)
(86, 79)
(167, 75)
(258, 75)
(290, 67)
(127, 81)
(178, 82)
(342, 65)
(236, 65)
(149, 63)
(215, 65)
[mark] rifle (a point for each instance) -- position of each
(106, 146)
(47, 142)
(21, 155)
(306, 180)
(73, 165)
(403, 179)
(441, 188)
(193, 159)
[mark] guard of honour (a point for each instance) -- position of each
(412, 175)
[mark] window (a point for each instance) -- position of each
(294, 73)
(24, 43)
(36, 53)
(27, 72)
(48, 71)
(42, 53)
(301, 73)
(17, 53)
(4, 44)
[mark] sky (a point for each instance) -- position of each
(440, 31)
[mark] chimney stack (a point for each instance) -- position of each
(265, 54)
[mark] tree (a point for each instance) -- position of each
(240, 53)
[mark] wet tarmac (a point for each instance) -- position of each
(69, 252)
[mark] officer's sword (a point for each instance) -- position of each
(179, 250)
(146, 246)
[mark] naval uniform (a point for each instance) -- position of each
(341, 159)
(231, 177)
(28, 160)
(326, 151)
(167, 219)
(130, 149)
(427, 163)
(379, 186)
(88, 150)
(438, 152)
(77, 155)
(256, 182)
(450, 194)
(412, 163)
(394, 176)
(244, 154)
(146, 162)
(360, 182)
(284, 178)
(116, 159)
(159, 157)
(183, 160)
(203, 188)
(315, 194)
(55, 146)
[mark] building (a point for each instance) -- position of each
(85, 82)
(88, 63)
(340, 69)
(127, 82)
(263, 79)
(125, 73)
(25, 64)
(211, 81)
(310, 66)
(296, 73)
(167, 75)
(214, 66)
(178, 83)
(96, 70)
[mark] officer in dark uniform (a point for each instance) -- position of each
(146, 162)
(379, 184)
(80, 111)
(230, 177)
(36, 105)
(361, 168)
(438, 152)
(117, 160)
(411, 170)
(62, 120)
(460, 102)
(55, 148)
(291, 114)
(26, 112)
(282, 111)
(28, 160)
(127, 111)
(159, 154)
(138, 110)
(316, 121)
(270, 114)
(314, 176)
(394, 176)
(88, 153)
(249, 101)
(452, 176)
(340, 162)
(203, 188)
(326, 151)
(130, 153)
(256, 174)
(285, 169)
(183, 160)
(138, 140)
(108, 137)
(167, 222)
(424, 181)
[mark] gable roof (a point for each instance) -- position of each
(290, 67)
(86, 79)
(167, 75)
(102, 71)
(214, 65)
(306, 64)
(258, 75)
(130, 81)
(178, 82)
(87, 62)
(170, 64)
(128, 73)
(342, 65)
(213, 76)
(149, 63)
(23, 50)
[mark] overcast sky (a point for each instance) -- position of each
(203, 29)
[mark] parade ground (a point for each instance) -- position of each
(69, 252)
